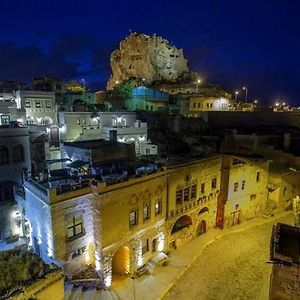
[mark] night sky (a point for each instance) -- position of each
(232, 43)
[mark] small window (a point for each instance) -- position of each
(78, 121)
(78, 252)
(146, 212)
(243, 184)
(4, 119)
(48, 104)
(202, 188)
(158, 207)
(37, 104)
(194, 105)
(186, 194)
(18, 153)
(235, 186)
(145, 246)
(27, 103)
(179, 196)
(214, 183)
(3, 155)
(133, 218)
(207, 105)
(199, 105)
(194, 191)
(75, 226)
(257, 176)
(253, 197)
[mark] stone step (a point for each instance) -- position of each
(75, 293)
(89, 294)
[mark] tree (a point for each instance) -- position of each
(75, 87)
(124, 89)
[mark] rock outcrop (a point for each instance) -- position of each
(146, 58)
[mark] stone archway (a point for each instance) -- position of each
(201, 228)
(183, 222)
(121, 263)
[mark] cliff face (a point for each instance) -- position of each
(146, 57)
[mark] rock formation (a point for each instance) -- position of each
(146, 58)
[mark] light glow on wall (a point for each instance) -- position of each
(160, 242)
(107, 280)
(97, 261)
(139, 255)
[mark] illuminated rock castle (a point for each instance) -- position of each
(147, 58)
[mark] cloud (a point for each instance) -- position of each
(24, 62)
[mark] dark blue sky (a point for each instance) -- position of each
(256, 43)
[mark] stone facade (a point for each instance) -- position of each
(125, 224)
(146, 58)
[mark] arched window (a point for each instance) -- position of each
(18, 153)
(4, 155)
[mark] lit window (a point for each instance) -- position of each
(27, 103)
(179, 196)
(146, 212)
(4, 119)
(75, 226)
(133, 218)
(48, 104)
(145, 246)
(158, 207)
(257, 176)
(243, 184)
(214, 183)
(186, 194)
(18, 153)
(235, 186)
(194, 191)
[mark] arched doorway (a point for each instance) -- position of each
(183, 222)
(121, 263)
(201, 228)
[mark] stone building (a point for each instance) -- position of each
(120, 217)
(194, 105)
(119, 126)
(14, 159)
(243, 193)
(146, 58)
(40, 106)
(285, 258)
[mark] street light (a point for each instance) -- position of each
(236, 95)
(246, 93)
(197, 84)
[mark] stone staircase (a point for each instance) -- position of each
(76, 292)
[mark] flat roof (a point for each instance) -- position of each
(91, 144)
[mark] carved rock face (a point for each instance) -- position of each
(147, 58)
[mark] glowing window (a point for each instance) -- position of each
(146, 212)
(133, 218)
(194, 191)
(186, 194)
(179, 193)
(75, 226)
(158, 206)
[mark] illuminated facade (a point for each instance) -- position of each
(120, 126)
(194, 105)
(119, 223)
(40, 106)
(14, 158)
